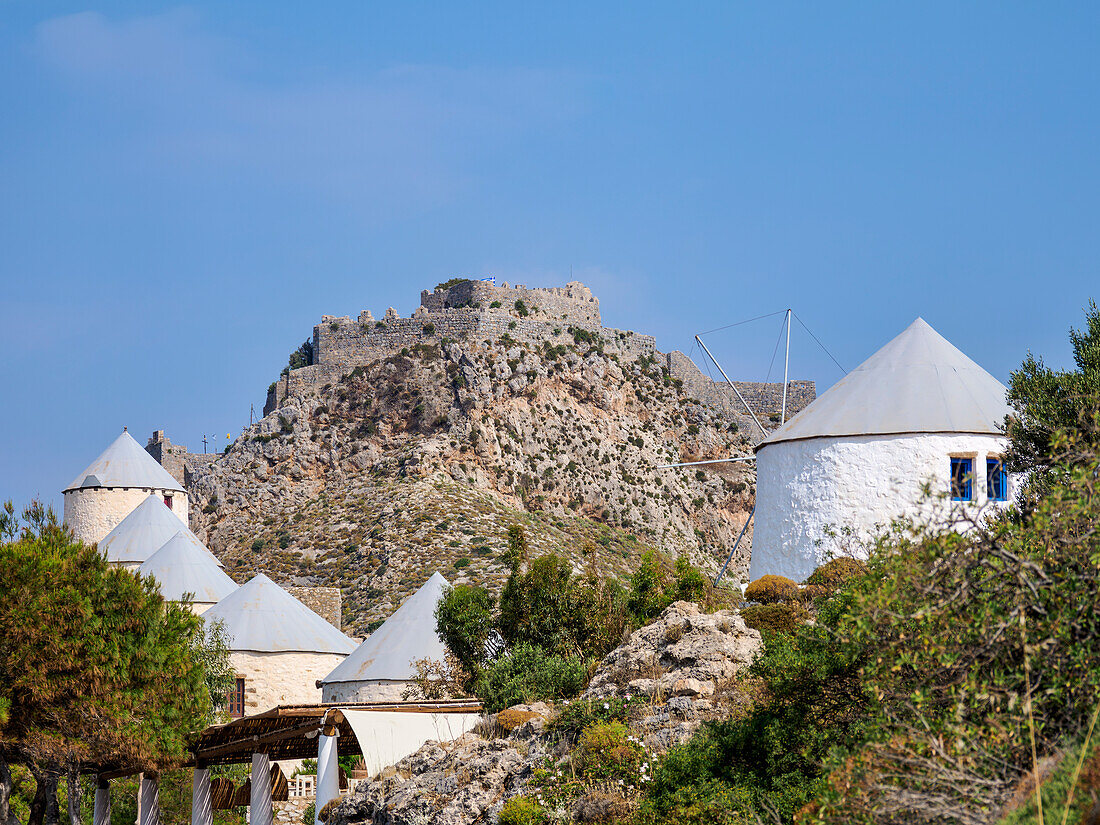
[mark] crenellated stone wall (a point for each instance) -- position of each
(482, 311)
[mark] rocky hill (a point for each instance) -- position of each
(422, 456)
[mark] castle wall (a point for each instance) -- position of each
(765, 399)
(572, 304)
(481, 311)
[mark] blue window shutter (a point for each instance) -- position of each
(996, 480)
(962, 479)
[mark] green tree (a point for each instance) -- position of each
(1047, 401)
(96, 670)
(464, 620)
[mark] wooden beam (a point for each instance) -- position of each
(253, 744)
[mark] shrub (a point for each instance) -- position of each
(604, 752)
(657, 583)
(521, 308)
(308, 813)
(774, 618)
(831, 576)
(529, 674)
(461, 563)
(452, 282)
(550, 607)
(519, 810)
(428, 329)
(257, 545)
(494, 305)
(511, 718)
(770, 589)
(576, 716)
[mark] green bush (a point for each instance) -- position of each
(579, 714)
(529, 674)
(519, 810)
(770, 589)
(774, 618)
(550, 607)
(603, 752)
(657, 583)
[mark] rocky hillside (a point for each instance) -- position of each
(422, 460)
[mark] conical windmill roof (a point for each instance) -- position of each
(408, 634)
(918, 383)
(144, 531)
(262, 617)
(125, 464)
(182, 567)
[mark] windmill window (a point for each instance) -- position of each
(236, 699)
(996, 479)
(168, 502)
(962, 479)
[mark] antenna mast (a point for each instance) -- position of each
(786, 364)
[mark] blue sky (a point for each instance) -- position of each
(185, 189)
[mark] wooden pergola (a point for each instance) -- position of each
(287, 732)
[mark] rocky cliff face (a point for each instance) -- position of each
(420, 461)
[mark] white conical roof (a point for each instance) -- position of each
(125, 464)
(144, 531)
(262, 617)
(408, 634)
(182, 567)
(918, 383)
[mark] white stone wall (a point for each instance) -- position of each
(862, 483)
(92, 512)
(272, 679)
(373, 690)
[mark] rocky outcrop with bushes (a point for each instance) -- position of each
(582, 759)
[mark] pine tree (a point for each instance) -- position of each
(97, 671)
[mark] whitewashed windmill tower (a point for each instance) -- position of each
(917, 412)
(114, 484)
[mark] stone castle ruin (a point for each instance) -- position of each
(468, 310)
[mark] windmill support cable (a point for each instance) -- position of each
(786, 365)
(740, 397)
(736, 544)
(708, 461)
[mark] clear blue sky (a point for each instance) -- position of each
(184, 190)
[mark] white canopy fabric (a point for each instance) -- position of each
(125, 464)
(387, 737)
(917, 383)
(408, 634)
(180, 567)
(144, 531)
(262, 617)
